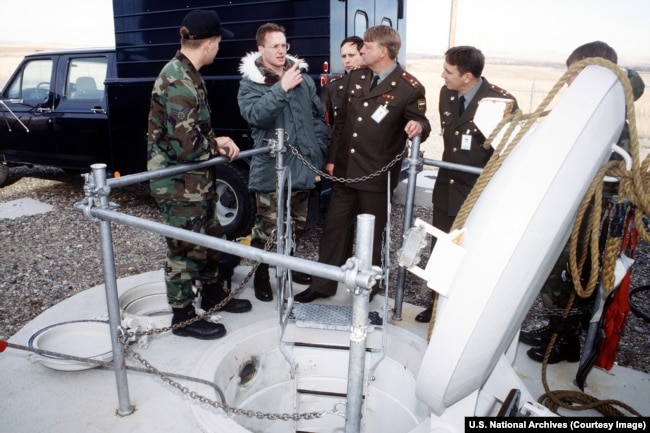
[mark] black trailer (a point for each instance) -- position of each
(73, 108)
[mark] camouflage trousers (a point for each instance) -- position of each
(558, 288)
(187, 262)
(267, 215)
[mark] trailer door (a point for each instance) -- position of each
(362, 14)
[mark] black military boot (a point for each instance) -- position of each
(541, 336)
(200, 329)
(227, 264)
(567, 348)
(262, 283)
(299, 277)
(567, 342)
(213, 294)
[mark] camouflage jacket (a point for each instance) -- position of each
(180, 132)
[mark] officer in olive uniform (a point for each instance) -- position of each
(463, 141)
(384, 105)
(335, 89)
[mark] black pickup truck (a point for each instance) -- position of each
(56, 110)
(73, 108)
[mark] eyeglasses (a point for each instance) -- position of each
(282, 47)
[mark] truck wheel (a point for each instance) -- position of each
(4, 173)
(236, 206)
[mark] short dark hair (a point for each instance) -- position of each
(592, 49)
(264, 29)
(466, 59)
(356, 40)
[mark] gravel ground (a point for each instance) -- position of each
(48, 257)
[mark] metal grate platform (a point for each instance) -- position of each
(337, 317)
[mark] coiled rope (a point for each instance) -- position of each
(633, 184)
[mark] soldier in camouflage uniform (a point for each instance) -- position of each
(274, 93)
(180, 132)
(557, 289)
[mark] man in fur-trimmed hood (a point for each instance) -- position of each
(274, 93)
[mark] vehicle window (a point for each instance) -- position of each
(86, 77)
(360, 22)
(33, 83)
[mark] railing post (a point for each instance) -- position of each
(414, 162)
(359, 329)
(110, 285)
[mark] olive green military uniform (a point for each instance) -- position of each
(369, 134)
(463, 144)
(334, 97)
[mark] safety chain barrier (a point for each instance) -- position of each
(365, 178)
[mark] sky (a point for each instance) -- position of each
(526, 27)
(530, 26)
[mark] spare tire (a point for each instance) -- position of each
(235, 204)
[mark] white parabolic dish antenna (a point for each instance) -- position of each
(514, 234)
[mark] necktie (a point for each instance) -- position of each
(461, 105)
(374, 82)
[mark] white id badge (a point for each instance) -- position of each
(466, 142)
(379, 114)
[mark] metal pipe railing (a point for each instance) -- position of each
(452, 166)
(415, 162)
(413, 170)
(96, 205)
(359, 328)
(113, 305)
(132, 179)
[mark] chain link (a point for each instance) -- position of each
(324, 175)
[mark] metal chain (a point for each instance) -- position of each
(226, 408)
(131, 334)
(193, 394)
(324, 175)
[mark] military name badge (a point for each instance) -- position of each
(379, 113)
(466, 142)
